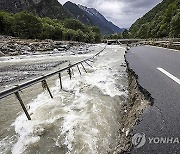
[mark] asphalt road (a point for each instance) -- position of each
(158, 71)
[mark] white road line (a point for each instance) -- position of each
(169, 75)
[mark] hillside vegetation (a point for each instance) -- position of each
(27, 25)
(162, 21)
(43, 8)
(92, 17)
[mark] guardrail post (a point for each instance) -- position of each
(88, 64)
(60, 80)
(79, 70)
(83, 67)
(90, 61)
(69, 71)
(45, 86)
(22, 105)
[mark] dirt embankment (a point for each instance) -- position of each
(139, 100)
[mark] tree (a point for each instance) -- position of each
(126, 34)
(79, 36)
(69, 34)
(73, 24)
(47, 31)
(96, 29)
(143, 31)
(27, 25)
(175, 26)
(6, 23)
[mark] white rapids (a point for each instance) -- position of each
(82, 118)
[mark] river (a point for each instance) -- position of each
(84, 117)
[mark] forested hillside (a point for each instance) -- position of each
(43, 8)
(27, 25)
(92, 17)
(162, 21)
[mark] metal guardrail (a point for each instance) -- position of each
(15, 90)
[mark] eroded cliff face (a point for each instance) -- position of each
(42, 8)
(15, 5)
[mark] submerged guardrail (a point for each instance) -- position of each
(15, 90)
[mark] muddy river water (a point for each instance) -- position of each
(84, 117)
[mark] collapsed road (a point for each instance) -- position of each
(157, 71)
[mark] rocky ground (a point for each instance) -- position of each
(15, 73)
(11, 46)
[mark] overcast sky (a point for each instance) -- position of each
(121, 12)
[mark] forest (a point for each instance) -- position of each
(162, 21)
(28, 26)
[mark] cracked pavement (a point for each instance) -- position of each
(162, 119)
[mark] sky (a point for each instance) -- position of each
(122, 13)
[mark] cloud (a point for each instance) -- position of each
(121, 12)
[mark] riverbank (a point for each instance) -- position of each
(23, 60)
(11, 46)
(83, 117)
(107, 90)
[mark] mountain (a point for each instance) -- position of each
(42, 8)
(77, 13)
(162, 21)
(92, 17)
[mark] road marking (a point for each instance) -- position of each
(169, 75)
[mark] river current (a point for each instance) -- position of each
(83, 118)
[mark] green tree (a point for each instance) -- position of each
(6, 23)
(27, 25)
(73, 24)
(143, 31)
(175, 26)
(47, 31)
(96, 29)
(126, 34)
(69, 34)
(79, 36)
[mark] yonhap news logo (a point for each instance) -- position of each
(140, 139)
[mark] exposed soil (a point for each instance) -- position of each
(139, 100)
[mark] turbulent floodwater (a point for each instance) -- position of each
(84, 117)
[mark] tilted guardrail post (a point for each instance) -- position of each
(45, 86)
(22, 105)
(83, 67)
(88, 64)
(79, 70)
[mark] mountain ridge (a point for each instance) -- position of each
(93, 17)
(54, 10)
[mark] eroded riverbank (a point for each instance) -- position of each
(84, 117)
(94, 113)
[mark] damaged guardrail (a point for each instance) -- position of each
(16, 89)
